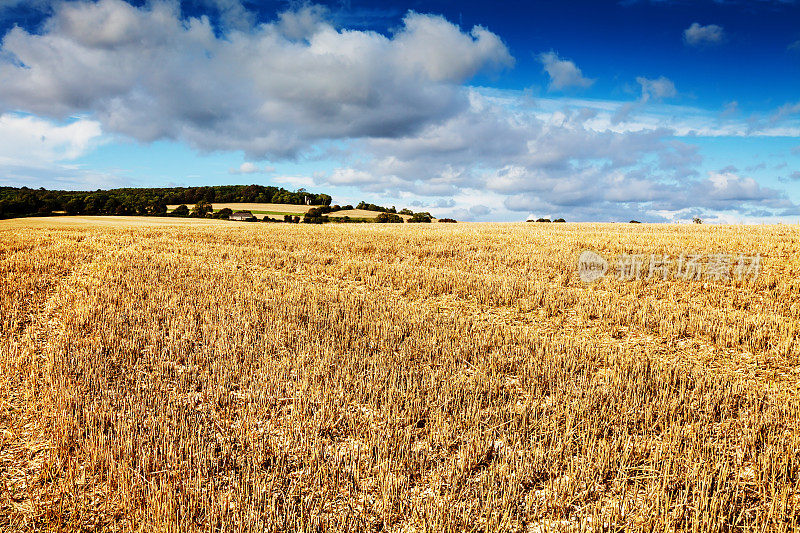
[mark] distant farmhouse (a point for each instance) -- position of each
(245, 216)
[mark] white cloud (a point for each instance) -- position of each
(39, 153)
(273, 90)
(656, 89)
(27, 139)
(563, 73)
(566, 162)
(350, 176)
(697, 34)
(251, 168)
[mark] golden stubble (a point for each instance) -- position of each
(235, 377)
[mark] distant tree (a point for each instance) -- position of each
(450, 220)
(124, 209)
(542, 220)
(372, 207)
(93, 204)
(75, 206)
(201, 209)
(181, 211)
(421, 217)
(389, 218)
(406, 211)
(288, 218)
(559, 220)
(224, 213)
(697, 220)
(635, 222)
(315, 215)
(159, 208)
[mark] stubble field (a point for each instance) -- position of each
(219, 377)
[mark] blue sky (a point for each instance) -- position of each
(653, 110)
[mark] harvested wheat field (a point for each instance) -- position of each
(394, 378)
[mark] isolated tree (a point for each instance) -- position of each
(224, 213)
(159, 208)
(201, 209)
(421, 217)
(697, 220)
(389, 217)
(181, 211)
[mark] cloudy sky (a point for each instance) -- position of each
(654, 110)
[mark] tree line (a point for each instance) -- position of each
(17, 202)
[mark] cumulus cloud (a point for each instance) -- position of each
(563, 73)
(515, 162)
(251, 168)
(24, 139)
(274, 90)
(697, 34)
(37, 152)
(656, 89)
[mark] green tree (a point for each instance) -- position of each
(75, 206)
(201, 209)
(224, 213)
(389, 218)
(421, 217)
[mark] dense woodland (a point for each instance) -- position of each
(17, 202)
